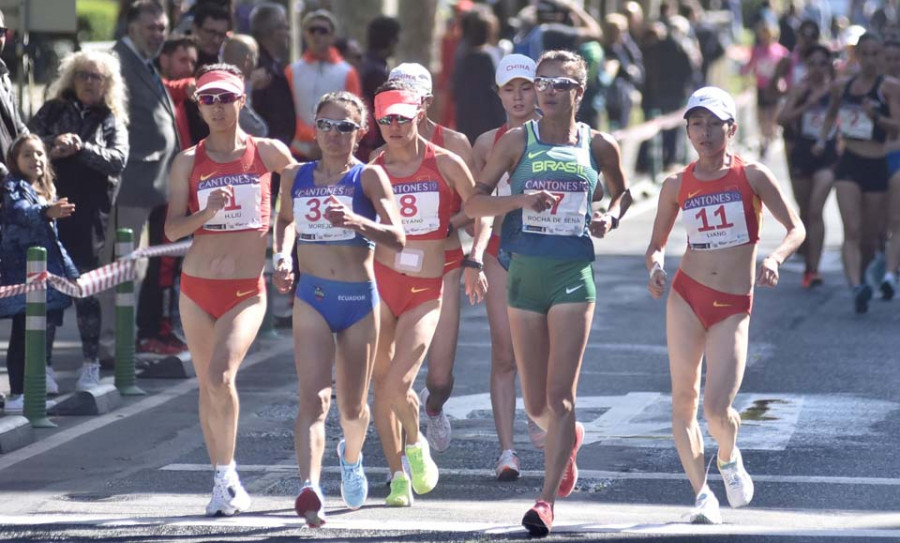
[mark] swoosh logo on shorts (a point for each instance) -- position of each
(242, 293)
(451, 263)
(692, 194)
(415, 290)
(718, 304)
(573, 289)
(533, 154)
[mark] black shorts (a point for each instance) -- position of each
(766, 98)
(871, 174)
(804, 163)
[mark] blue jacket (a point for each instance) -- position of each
(23, 226)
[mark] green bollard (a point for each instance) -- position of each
(125, 377)
(36, 345)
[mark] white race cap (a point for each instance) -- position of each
(514, 66)
(715, 100)
(415, 74)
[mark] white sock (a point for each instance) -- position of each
(889, 277)
(225, 469)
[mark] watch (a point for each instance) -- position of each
(469, 263)
(614, 220)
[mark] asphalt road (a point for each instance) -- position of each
(820, 403)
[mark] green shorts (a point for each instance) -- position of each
(537, 284)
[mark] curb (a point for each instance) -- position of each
(15, 433)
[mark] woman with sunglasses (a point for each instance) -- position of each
(333, 217)
(553, 165)
(720, 198)
(812, 173)
(219, 193)
(423, 178)
(515, 87)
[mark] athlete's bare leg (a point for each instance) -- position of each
(355, 360)
(822, 182)
(385, 422)
(217, 349)
(893, 244)
(503, 361)
(726, 358)
(849, 198)
(874, 225)
(442, 354)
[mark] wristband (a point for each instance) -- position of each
(474, 264)
(614, 220)
(277, 258)
(655, 267)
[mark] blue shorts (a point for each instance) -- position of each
(341, 303)
(893, 161)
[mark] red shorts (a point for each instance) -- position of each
(493, 247)
(710, 305)
(218, 296)
(401, 292)
(453, 259)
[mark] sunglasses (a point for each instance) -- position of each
(322, 30)
(223, 98)
(90, 76)
(344, 127)
(388, 119)
(559, 84)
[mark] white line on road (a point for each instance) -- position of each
(615, 347)
(75, 432)
(582, 473)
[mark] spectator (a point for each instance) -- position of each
(11, 124)
(819, 11)
(567, 23)
(709, 41)
(765, 57)
(449, 48)
(212, 24)
(242, 51)
(635, 15)
(351, 51)
(143, 187)
(28, 218)
(629, 76)
(478, 109)
(271, 92)
(321, 70)
(382, 37)
(177, 63)
(84, 126)
(788, 26)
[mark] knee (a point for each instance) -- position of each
(219, 382)
(535, 407)
(717, 413)
(851, 233)
(315, 406)
(560, 404)
(814, 216)
(503, 361)
(440, 384)
(354, 413)
(684, 406)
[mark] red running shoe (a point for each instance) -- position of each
(570, 476)
(811, 279)
(539, 519)
(155, 346)
(311, 506)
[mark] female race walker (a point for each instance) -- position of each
(515, 87)
(423, 178)
(553, 164)
(219, 192)
(708, 311)
(335, 202)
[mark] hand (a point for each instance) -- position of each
(539, 201)
(657, 283)
(218, 198)
(65, 145)
(260, 79)
(283, 277)
(476, 285)
(768, 273)
(601, 224)
(60, 209)
(339, 214)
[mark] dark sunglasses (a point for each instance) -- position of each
(323, 30)
(89, 76)
(223, 98)
(344, 127)
(388, 119)
(559, 84)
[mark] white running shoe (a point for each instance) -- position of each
(508, 466)
(738, 484)
(706, 508)
(52, 385)
(536, 434)
(228, 497)
(89, 376)
(437, 427)
(15, 404)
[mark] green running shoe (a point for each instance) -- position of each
(422, 468)
(401, 491)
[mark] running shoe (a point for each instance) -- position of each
(155, 346)
(738, 484)
(354, 484)
(887, 291)
(228, 497)
(437, 427)
(812, 279)
(88, 377)
(401, 491)
(539, 519)
(508, 466)
(52, 385)
(15, 404)
(537, 435)
(422, 469)
(861, 296)
(570, 476)
(390, 476)
(706, 508)
(311, 505)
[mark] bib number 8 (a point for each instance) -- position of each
(408, 205)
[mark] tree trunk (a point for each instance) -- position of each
(418, 18)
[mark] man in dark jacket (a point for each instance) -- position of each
(11, 124)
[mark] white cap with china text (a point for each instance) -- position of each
(415, 74)
(715, 100)
(514, 66)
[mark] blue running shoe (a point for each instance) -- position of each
(354, 484)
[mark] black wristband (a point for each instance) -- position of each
(44, 210)
(474, 264)
(614, 220)
(450, 229)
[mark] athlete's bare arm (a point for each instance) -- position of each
(283, 234)
(275, 154)
(794, 106)
(764, 184)
(481, 150)
(458, 143)
(178, 223)
(377, 188)
(503, 158)
(834, 105)
(891, 123)
(666, 212)
(609, 157)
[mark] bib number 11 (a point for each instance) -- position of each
(719, 212)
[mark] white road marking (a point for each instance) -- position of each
(57, 439)
(661, 350)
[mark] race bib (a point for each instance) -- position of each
(855, 124)
(419, 204)
(566, 217)
(309, 213)
(811, 123)
(716, 221)
(243, 209)
(503, 187)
